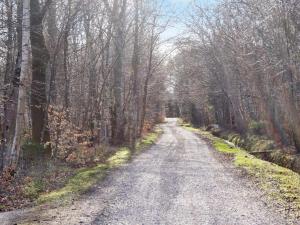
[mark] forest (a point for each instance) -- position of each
(73, 70)
(75, 75)
(239, 69)
(85, 85)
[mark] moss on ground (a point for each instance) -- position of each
(79, 183)
(34, 188)
(223, 147)
(119, 158)
(86, 178)
(148, 140)
(187, 126)
(281, 184)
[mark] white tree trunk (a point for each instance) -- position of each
(21, 104)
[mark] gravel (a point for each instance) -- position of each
(177, 181)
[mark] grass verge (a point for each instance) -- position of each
(279, 183)
(86, 178)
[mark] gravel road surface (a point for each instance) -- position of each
(177, 181)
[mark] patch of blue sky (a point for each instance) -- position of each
(177, 12)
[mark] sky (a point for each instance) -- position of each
(178, 11)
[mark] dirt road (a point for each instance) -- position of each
(178, 181)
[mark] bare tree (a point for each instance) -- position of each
(40, 59)
(23, 87)
(242, 59)
(95, 73)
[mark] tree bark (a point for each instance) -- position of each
(135, 103)
(23, 82)
(40, 59)
(9, 106)
(118, 120)
(148, 76)
(53, 44)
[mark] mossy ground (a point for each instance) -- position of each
(186, 125)
(79, 183)
(33, 189)
(148, 140)
(86, 178)
(281, 184)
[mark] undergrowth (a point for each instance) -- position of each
(86, 178)
(79, 183)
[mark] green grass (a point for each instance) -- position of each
(33, 189)
(86, 178)
(280, 184)
(148, 140)
(187, 126)
(79, 183)
(119, 158)
(224, 147)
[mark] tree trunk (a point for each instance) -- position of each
(9, 108)
(53, 33)
(92, 74)
(118, 122)
(65, 69)
(148, 76)
(40, 59)
(23, 82)
(134, 114)
(65, 58)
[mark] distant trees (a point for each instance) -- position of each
(240, 66)
(89, 68)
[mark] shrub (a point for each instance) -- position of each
(257, 127)
(32, 151)
(33, 188)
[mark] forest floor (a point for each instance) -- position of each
(180, 180)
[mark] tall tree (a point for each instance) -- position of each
(10, 80)
(15, 148)
(135, 102)
(54, 50)
(40, 59)
(118, 17)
